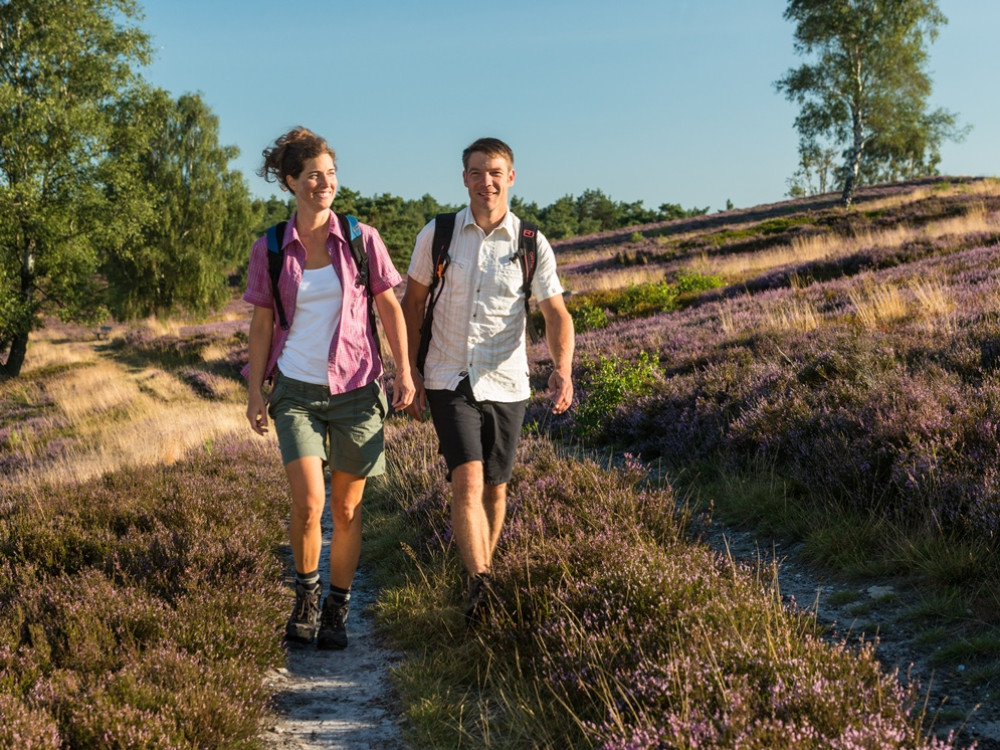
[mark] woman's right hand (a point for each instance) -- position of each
(257, 411)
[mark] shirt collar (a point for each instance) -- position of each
(507, 224)
(292, 233)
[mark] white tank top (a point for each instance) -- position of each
(317, 315)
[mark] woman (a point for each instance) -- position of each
(326, 402)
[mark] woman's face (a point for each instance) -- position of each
(316, 185)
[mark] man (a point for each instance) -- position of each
(475, 378)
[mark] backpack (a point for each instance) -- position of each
(527, 254)
(276, 261)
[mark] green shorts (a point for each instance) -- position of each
(344, 429)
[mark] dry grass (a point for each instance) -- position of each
(49, 348)
(610, 280)
(877, 304)
(160, 438)
(985, 187)
(823, 247)
(102, 415)
(934, 304)
(880, 304)
(794, 314)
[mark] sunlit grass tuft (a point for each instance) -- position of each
(793, 314)
(877, 304)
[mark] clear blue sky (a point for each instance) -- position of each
(663, 101)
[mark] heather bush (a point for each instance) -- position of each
(140, 609)
(898, 415)
(612, 631)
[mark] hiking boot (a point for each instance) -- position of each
(480, 600)
(333, 625)
(304, 622)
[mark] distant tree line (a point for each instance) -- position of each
(595, 212)
(399, 220)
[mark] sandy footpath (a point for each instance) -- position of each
(336, 699)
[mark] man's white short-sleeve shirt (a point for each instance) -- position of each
(479, 319)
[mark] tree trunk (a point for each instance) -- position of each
(853, 166)
(15, 358)
(22, 328)
(847, 197)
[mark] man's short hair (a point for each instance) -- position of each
(490, 147)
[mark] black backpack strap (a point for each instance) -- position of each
(444, 227)
(275, 262)
(527, 254)
(352, 233)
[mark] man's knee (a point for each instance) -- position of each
(467, 480)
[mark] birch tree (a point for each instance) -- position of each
(866, 87)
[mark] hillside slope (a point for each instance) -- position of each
(829, 377)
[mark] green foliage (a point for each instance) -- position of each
(635, 237)
(591, 311)
(608, 381)
(65, 69)
(397, 220)
(766, 228)
(271, 211)
(587, 317)
(866, 93)
(200, 228)
(689, 282)
(641, 300)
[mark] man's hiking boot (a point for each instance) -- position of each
(304, 622)
(480, 600)
(333, 625)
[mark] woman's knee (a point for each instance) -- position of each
(308, 510)
(345, 513)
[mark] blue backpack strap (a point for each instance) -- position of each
(444, 227)
(352, 233)
(275, 262)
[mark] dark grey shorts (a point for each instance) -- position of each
(470, 430)
(344, 429)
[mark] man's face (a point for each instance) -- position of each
(488, 178)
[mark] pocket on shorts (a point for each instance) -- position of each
(380, 399)
(277, 393)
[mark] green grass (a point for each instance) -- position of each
(766, 228)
